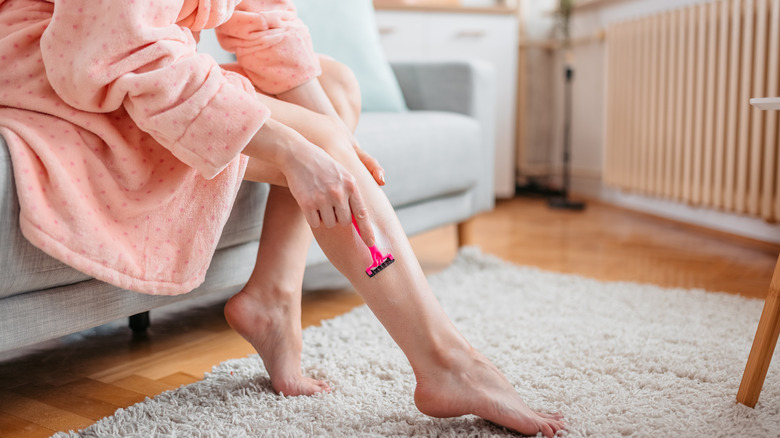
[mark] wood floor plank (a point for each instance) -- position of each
(39, 413)
(11, 426)
(64, 399)
(198, 358)
(143, 385)
(104, 392)
(318, 306)
(158, 364)
(613, 244)
(179, 379)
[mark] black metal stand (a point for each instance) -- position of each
(563, 201)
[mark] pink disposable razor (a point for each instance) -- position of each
(379, 261)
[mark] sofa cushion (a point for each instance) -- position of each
(425, 154)
(26, 268)
(347, 31)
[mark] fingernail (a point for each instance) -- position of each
(382, 176)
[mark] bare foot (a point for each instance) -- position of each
(273, 327)
(470, 384)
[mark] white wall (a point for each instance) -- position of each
(537, 20)
(588, 126)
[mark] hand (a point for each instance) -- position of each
(325, 190)
(333, 129)
(312, 97)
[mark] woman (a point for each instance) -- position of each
(128, 149)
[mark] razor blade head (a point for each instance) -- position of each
(385, 263)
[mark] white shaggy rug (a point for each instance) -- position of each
(618, 359)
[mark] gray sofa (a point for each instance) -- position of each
(439, 163)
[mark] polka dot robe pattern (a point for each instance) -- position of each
(125, 142)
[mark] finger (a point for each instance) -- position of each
(311, 214)
(328, 216)
(360, 212)
(372, 165)
(343, 215)
(379, 176)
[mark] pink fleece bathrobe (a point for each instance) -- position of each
(126, 144)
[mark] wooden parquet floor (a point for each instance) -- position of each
(70, 383)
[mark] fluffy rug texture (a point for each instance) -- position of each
(618, 359)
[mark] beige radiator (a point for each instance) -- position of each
(679, 124)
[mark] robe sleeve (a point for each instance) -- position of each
(102, 55)
(271, 44)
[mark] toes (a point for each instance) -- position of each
(557, 426)
(315, 387)
(300, 386)
(555, 421)
(323, 386)
(551, 424)
(318, 386)
(546, 430)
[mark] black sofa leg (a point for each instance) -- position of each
(139, 322)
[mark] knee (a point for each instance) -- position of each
(337, 142)
(341, 85)
(341, 145)
(341, 79)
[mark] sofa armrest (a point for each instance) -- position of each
(466, 87)
(456, 86)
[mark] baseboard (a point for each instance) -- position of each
(587, 183)
(731, 223)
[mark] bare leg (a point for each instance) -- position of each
(267, 311)
(452, 378)
(342, 89)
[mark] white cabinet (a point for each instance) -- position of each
(491, 37)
